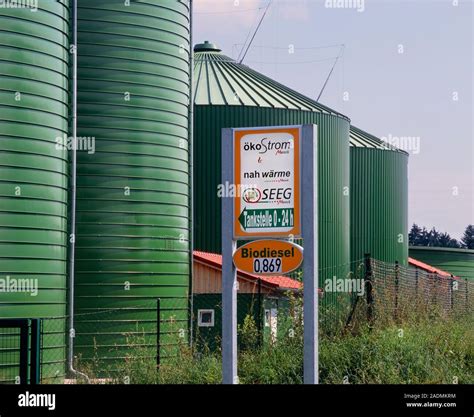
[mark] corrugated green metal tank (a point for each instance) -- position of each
(379, 199)
(33, 174)
(229, 94)
(459, 262)
(133, 192)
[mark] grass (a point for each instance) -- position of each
(422, 351)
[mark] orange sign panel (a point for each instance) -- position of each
(268, 257)
(267, 179)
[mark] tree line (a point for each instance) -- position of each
(421, 236)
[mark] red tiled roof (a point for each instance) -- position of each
(429, 268)
(282, 281)
(276, 281)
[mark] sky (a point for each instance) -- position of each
(405, 70)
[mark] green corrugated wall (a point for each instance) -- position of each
(459, 262)
(133, 192)
(379, 204)
(34, 94)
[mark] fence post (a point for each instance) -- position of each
(35, 352)
(466, 282)
(451, 291)
(24, 350)
(435, 289)
(397, 286)
(369, 289)
(158, 332)
(416, 284)
(259, 316)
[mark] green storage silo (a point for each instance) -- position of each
(133, 197)
(379, 199)
(459, 262)
(33, 177)
(229, 94)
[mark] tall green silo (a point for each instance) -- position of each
(33, 177)
(229, 94)
(379, 199)
(133, 196)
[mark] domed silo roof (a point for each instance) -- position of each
(222, 81)
(379, 199)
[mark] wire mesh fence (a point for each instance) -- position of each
(395, 293)
(10, 355)
(19, 351)
(401, 292)
(53, 350)
(339, 288)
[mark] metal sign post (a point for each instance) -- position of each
(229, 273)
(264, 173)
(310, 243)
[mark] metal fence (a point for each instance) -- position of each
(396, 293)
(19, 351)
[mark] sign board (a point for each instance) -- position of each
(267, 180)
(268, 257)
(263, 166)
